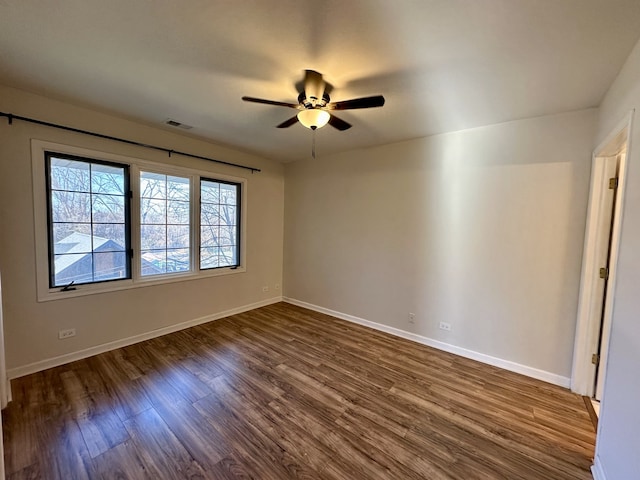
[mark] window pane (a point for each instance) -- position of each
(178, 212)
(70, 206)
(109, 237)
(219, 212)
(210, 214)
(178, 260)
(153, 237)
(226, 236)
(68, 237)
(76, 268)
(165, 230)
(109, 265)
(210, 192)
(228, 194)
(108, 208)
(178, 236)
(209, 257)
(154, 262)
(209, 236)
(107, 179)
(227, 215)
(227, 256)
(153, 211)
(88, 230)
(178, 188)
(153, 185)
(69, 175)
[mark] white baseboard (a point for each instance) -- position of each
(597, 471)
(105, 347)
(463, 352)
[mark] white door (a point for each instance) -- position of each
(597, 253)
(613, 166)
(602, 241)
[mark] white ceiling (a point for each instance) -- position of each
(442, 65)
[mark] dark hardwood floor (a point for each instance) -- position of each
(282, 392)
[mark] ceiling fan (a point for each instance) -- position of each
(315, 106)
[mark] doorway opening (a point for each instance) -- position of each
(600, 256)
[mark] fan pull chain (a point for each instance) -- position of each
(313, 144)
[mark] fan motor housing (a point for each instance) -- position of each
(313, 102)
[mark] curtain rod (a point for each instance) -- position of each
(11, 117)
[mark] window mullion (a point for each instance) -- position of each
(194, 238)
(135, 223)
(93, 256)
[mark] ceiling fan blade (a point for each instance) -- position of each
(341, 125)
(271, 102)
(364, 102)
(288, 123)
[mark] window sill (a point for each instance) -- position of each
(52, 294)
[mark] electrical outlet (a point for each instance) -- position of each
(70, 332)
(412, 318)
(445, 326)
(265, 288)
(277, 286)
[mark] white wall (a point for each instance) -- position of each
(618, 444)
(481, 228)
(31, 328)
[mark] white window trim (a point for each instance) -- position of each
(45, 293)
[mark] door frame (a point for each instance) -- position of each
(589, 311)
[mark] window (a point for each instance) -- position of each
(219, 222)
(107, 222)
(165, 231)
(88, 220)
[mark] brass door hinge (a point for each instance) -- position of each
(595, 359)
(613, 183)
(604, 272)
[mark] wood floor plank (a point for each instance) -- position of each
(262, 417)
(282, 393)
(230, 469)
(101, 428)
(520, 460)
(158, 390)
(180, 378)
(63, 451)
(438, 466)
(346, 460)
(261, 378)
(20, 437)
(124, 462)
(127, 398)
(127, 362)
(197, 436)
(159, 448)
(32, 472)
(263, 456)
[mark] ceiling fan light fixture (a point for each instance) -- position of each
(314, 105)
(314, 118)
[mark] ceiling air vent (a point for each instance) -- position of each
(174, 123)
